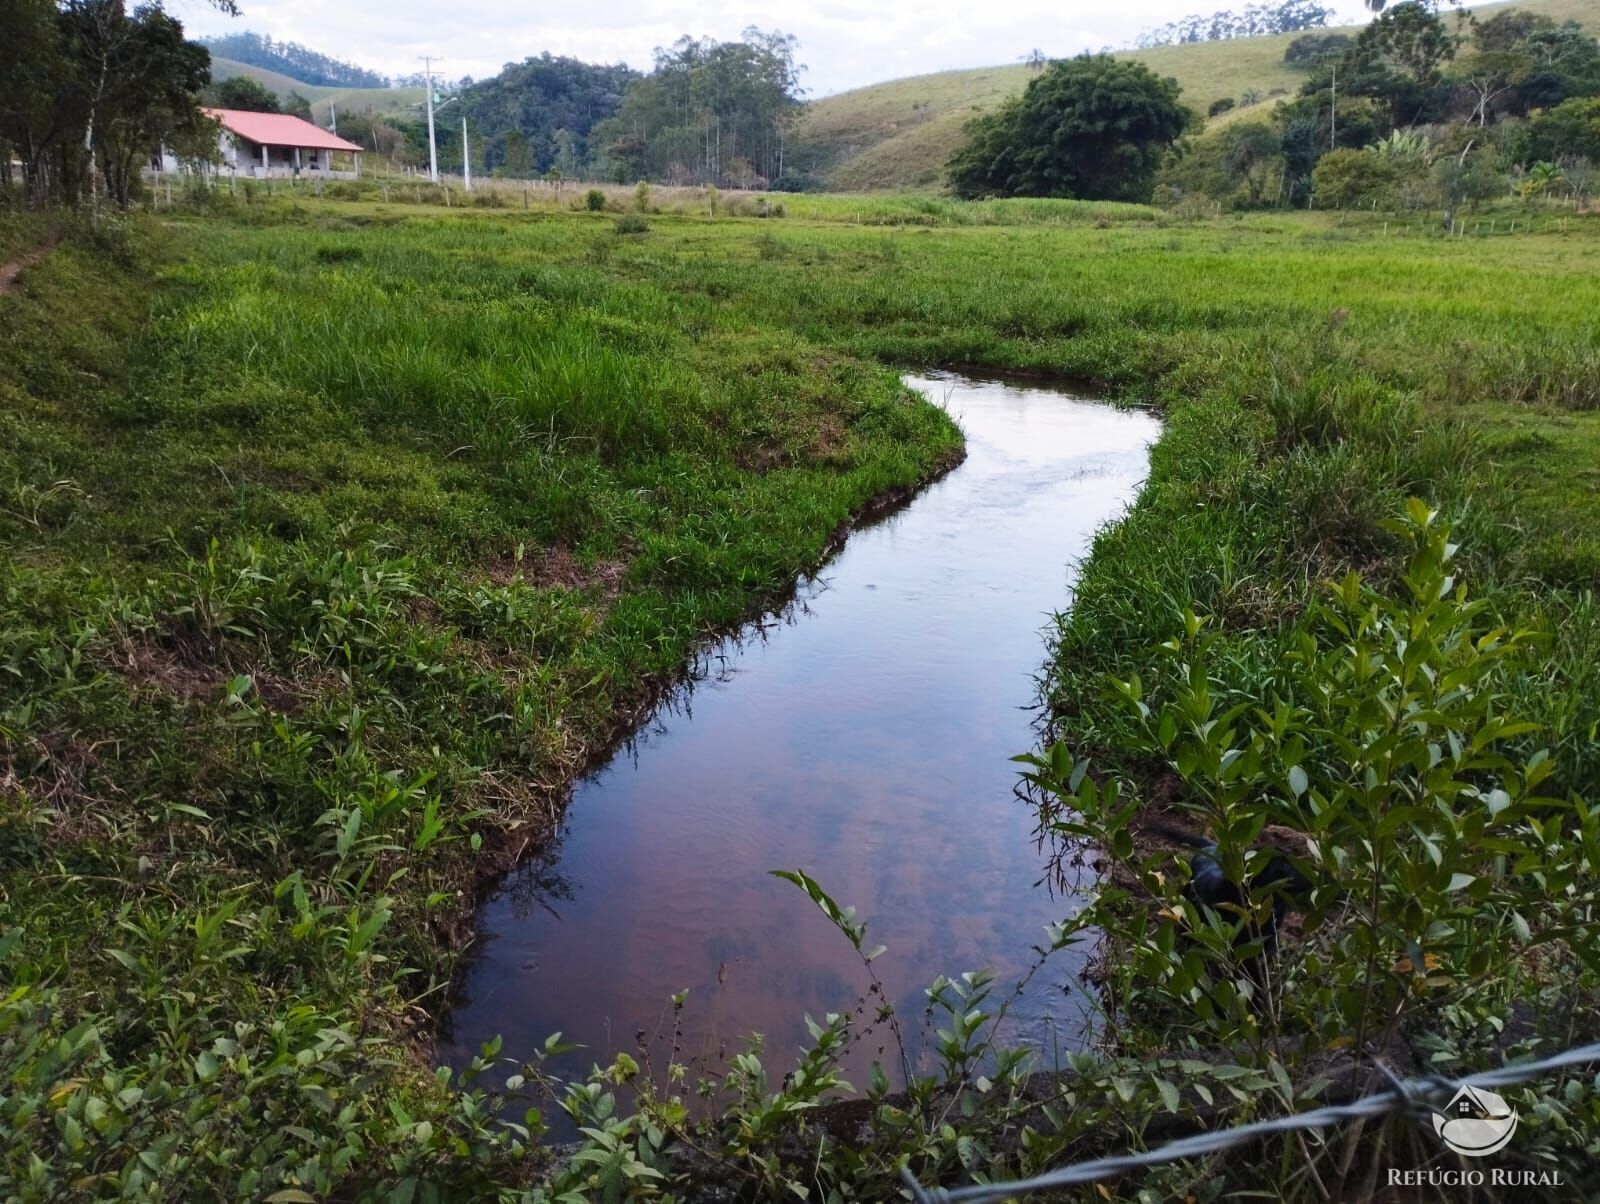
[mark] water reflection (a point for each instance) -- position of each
(863, 736)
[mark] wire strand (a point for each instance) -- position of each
(1403, 1096)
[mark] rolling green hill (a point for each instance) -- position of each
(898, 135)
(379, 100)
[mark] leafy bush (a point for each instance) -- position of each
(1447, 895)
(632, 223)
(594, 200)
(1223, 105)
(1348, 179)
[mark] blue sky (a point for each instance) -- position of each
(845, 43)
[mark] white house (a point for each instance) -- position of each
(276, 144)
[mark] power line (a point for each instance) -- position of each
(1402, 1096)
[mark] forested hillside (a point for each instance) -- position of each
(535, 116)
(294, 60)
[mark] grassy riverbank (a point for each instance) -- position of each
(334, 548)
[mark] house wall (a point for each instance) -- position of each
(244, 157)
(241, 157)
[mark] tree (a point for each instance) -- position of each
(1572, 128)
(1487, 75)
(379, 136)
(517, 156)
(1252, 150)
(1349, 179)
(1090, 127)
(1309, 48)
(245, 94)
(297, 106)
(705, 105)
(566, 155)
(533, 99)
(1465, 178)
(1566, 63)
(88, 91)
(1399, 60)
(1508, 29)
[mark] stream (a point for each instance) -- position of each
(863, 735)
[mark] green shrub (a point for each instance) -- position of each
(594, 200)
(1348, 179)
(1448, 893)
(632, 223)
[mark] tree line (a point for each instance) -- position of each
(536, 116)
(294, 60)
(1254, 20)
(89, 89)
(249, 95)
(707, 112)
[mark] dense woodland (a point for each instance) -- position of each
(709, 113)
(294, 60)
(537, 115)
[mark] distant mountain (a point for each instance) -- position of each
(290, 58)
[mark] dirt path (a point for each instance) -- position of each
(10, 271)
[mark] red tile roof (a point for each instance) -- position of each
(279, 129)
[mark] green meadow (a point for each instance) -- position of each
(337, 536)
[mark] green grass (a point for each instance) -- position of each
(334, 548)
(899, 134)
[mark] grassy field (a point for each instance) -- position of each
(899, 134)
(338, 535)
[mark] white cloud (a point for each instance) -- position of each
(845, 43)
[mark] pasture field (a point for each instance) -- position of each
(337, 536)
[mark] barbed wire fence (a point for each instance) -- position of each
(1402, 1096)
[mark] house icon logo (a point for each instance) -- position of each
(1476, 1122)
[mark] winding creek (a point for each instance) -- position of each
(865, 736)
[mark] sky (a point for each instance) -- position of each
(844, 43)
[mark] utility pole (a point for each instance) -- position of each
(433, 148)
(1333, 110)
(333, 119)
(466, 156)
